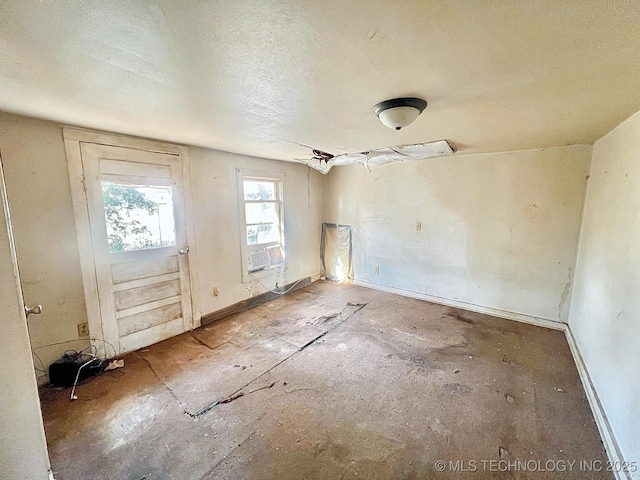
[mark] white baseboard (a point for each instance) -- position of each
(496, 312)
(606, 433)
(600, 416)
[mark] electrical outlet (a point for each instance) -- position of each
(215, 291)
(83, 329)
(376, 269)
(418, 226)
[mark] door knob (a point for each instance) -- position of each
(37, 310)
(184, 251)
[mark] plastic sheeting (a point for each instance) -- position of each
(336, 252)
(418, 151)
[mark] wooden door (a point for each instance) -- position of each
(23, 447)
(136, 209)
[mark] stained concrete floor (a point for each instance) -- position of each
(336, 382)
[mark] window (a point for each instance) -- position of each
(138, 217)
(262, 211)
(262, 232)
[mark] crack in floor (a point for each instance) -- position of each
(239, 392)
(206, 345)
(212, 405)
(173, 394)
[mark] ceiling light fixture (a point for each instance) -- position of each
(399, 112)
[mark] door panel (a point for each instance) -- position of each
(133, 297)
(125, 272)
(136, 212)
(117, 167)
(149, 336)
(143, 282)
(141, 321)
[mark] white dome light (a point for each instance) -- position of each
(399, 112)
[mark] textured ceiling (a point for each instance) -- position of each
(258, 77)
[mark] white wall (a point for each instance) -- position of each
(40, 199)
(23, 449)
(605, 313)
(498, 230)
(215, 203)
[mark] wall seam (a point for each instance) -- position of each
(578, 241)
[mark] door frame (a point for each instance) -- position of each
(73, 138)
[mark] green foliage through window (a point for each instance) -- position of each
(262, 212)
(135, 221)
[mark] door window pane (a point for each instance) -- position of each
(138, 217)
(259, 190)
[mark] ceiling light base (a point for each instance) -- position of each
(399, 112)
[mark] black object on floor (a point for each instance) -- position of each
(62, 372)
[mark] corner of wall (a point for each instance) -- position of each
(603, 324)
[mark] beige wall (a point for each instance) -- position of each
(214, 187)
(23, 450)
(40, 198)
(498, 230)
(605, 314)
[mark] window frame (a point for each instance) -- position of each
(278, 179)
(140, 182)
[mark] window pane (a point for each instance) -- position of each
(265, 233)
(138, 217)
(259, 190)
(261, 212)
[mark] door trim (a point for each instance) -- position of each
(73, 137)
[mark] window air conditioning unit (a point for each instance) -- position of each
(265, 257)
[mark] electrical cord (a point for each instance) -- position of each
(33, 352)
(59, 343)
(94, 356)
(275, 291)
(75, 383)
(115, 352)
(43, 370)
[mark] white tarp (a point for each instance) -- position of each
(336, 252)
(418, 151)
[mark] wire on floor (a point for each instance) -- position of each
(94, 356)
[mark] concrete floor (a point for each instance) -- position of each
(389, 386)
